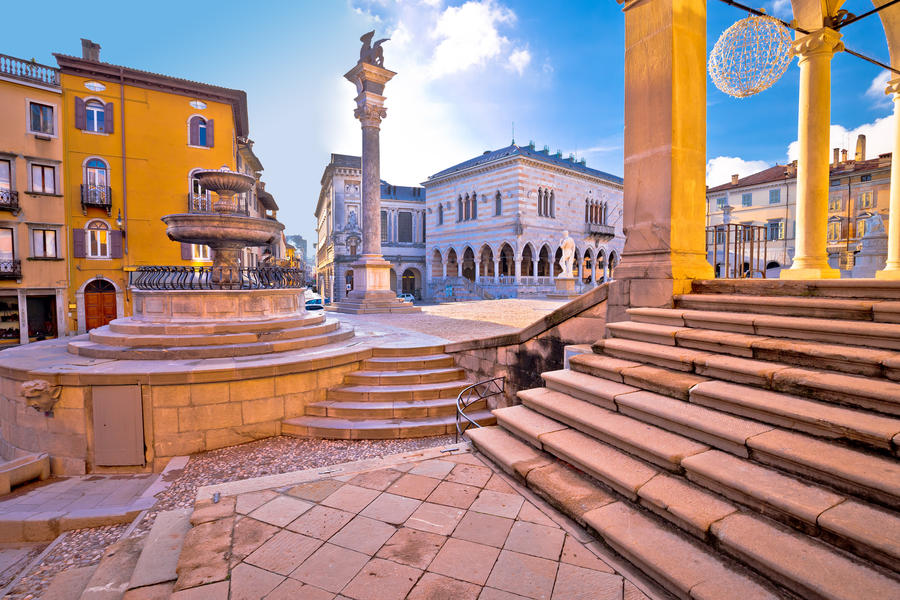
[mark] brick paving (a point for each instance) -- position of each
(448, 528)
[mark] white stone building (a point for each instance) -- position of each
(339, 230)
(495, 223)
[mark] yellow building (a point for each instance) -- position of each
(32, 211)
(132, 141)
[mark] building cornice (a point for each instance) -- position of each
(527, 161)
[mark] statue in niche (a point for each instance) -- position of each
(371, 54)
(567, 260)
(351, 220)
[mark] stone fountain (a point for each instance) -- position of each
(226, 310)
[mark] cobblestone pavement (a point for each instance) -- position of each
(459, 321)
(440, 528)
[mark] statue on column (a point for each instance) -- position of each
(567, 260)
(371, 54)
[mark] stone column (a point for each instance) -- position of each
(892, 268)
(497, 269)
(458, 267)
(478, 270)
(444, 268)
(814, 52)
(665, 152)
(518, 269)
(594, 260)
(534, 263)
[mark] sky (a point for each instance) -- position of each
(469, 74)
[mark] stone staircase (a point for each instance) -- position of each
(398, 393)
(735, 446)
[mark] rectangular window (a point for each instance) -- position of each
(866, 200)
(834, 203)
(44, 243)
(43, 179)
(774, 197)
(834, 230)
(721, 202)
(384, 226)
(200, 252)
(866, 178)
(861, 227)
(775, 230)
(746, 199)
(41, 118)
(5, 175)
(7, 251)
(404, 227)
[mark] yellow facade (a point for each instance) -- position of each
(149, 159)
(33, 276)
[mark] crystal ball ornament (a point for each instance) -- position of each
(750, 56)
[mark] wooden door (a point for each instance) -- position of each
(99, 308)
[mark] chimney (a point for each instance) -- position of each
(90, 50)
(843, 156)
(734, 179)
(860, 147)
(837, 156)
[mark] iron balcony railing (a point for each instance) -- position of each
(28, 70)
(10, 268)
(472, 395)
(601, 230)
(201, 203)
(96, 195)
(216, 278)
(9, 200)
(738, 251)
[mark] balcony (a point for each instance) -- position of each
(201, 203)
(9, 200)
(97, 196)
(599, 230)
(11, 269)
(28, 71)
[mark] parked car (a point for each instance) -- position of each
(407, 297)
(315, 304)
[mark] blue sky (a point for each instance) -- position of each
(466, 71)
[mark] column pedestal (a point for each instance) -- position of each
(565, 289)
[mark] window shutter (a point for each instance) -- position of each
(80, 114)
(210, 140)
(115, 243)
(185, 251)
(78, 242)
(108, 118)
(194, 129)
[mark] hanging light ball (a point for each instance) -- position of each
(750, 56)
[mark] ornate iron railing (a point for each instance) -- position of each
(11, 268)
(9, 200)
(96, 195)
(473, 394)
(203, 203)
(28, 70)
(216, 278)
(738, 251)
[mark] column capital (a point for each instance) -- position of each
(823, 41)
(370, 115)
(893, 87)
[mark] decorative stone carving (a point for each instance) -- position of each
(874, 225)
(567, 260)
(351, 221)
(370, 115)
(40, 395)
(370, 53)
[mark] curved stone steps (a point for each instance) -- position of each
(109, 338)
(139, 327)
(427, 375)
(413, 391)
(398, 409)
(376, 429)
(94, 350)
(406, 351)
(405, 363)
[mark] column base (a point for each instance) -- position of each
(565, 289)
(887, 274)
(372, 290)
(810, 273)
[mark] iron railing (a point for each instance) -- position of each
(744, 250)
(96, 195)
(28, 70)
(203, 203)
(472, 395)
(11, 268)
(9, 200)
(216, 278)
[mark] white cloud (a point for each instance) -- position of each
(781, 9)
(519, 59)
(467, 36)
(879, 138)
(720, 169)
(876, 90)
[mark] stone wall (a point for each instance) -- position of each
(522, 357)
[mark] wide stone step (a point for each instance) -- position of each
(400, 409)
(405, 363)
(676, 384)
(110, 580)
(648, 442)
(854, 289)
(789, 306)
(884, 336)
(407, 352)
(377, 429)
(375, 377)
(159, 557)
(93, 350)
(131, 340)
(141, 327)
(851, 390)
(416, 391)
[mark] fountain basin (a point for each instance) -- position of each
(221, 230)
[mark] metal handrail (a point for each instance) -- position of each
(165, 278)
(469, 395)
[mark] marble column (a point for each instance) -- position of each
(477, 271)
(444, 269)
(534, 264)
(892, 268)
(458, 267)
(814, 53)
(594, 260)
(496, 269)
(518, 271)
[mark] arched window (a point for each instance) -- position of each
(498, 204)
(459, 209)
(474, 205)
(468, 214)
(440, 215)
(199, 198)
(95, 116)
(540, 202)
(552, 211)
(98, 245)
(200, 132)
(587, 210)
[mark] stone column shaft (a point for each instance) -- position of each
(371, 190)
(518, 270)
(892, 267)
(814, 52)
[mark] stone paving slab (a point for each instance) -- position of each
(423, 525)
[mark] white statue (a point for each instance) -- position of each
(567, 260)
(874, 225)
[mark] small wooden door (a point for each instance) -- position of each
(99, 304)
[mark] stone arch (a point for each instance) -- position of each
(468, 263)
(587, 265)
(507, 260)
(411, 280)
(545, 265)
(556, 256)
(80, 310)
(613, 262)
(393, 276)
(486, 260)
(528, 260)
(437, 264)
